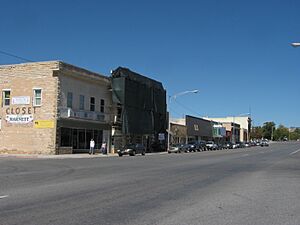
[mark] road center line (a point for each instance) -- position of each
(295, 152)
(3, 196)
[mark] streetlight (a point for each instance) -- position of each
(170, 97)
(295, 44)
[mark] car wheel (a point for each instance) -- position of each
(143, 152)
(120, 155)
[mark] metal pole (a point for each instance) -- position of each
(168, 107)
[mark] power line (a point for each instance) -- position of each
(15, 56)
(187, 108)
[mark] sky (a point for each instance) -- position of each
(237, 53)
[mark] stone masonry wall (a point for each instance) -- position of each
(37, 136)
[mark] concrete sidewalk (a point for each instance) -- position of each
(66, 156)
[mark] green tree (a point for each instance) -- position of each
(294, 136)
(268, 129)
(280, 133)
(256, 132)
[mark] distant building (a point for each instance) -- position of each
(53, 108)
(243, 121)
(232, 132)
(196, 128)
(141, 115)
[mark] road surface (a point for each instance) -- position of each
(237, 187)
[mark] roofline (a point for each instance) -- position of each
(61, 65)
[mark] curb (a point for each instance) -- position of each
(67, 156)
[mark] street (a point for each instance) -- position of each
(258, 185)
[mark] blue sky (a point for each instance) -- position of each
(236, 53)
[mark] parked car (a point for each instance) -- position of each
(264, 144)
(202, 145)
(177, 148)
(228, 145)
(193, 146)
(197, 146)
(132, 149)
(211, 145)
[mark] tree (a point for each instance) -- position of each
(256, 132)
(268, 129)
(280, 133)
(294, 136)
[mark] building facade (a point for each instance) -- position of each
(53, 108)
(243, 121)
(141, 116)
(196, 128)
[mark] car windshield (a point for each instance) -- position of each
(129, 146)
(210, 142)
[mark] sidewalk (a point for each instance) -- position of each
(66, 156)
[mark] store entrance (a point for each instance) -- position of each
(79, 139)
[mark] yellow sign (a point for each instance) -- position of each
(43, 124)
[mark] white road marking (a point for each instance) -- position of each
(3, 196)
(295, 152)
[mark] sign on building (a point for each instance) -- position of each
(21, 119)
(43, 124)
(20, 100)
(161, 136)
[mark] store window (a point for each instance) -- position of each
(5, 97)
(81, 102)
(92, 104)
(37, 97)
(69, 99)
(102, 102)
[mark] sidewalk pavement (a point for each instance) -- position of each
(65, 156)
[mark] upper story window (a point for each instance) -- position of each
(37, 97)
(92, 104)
(69, 99)
(102, 102)
(5, 97)
(81, 102)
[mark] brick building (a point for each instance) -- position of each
(52, 108)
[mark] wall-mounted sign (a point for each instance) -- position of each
(20, 100)
(161, 136)
(20, 110)
(19, 118)
(43, 124)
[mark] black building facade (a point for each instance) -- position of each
(141, 115)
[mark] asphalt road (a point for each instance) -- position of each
(237, 187)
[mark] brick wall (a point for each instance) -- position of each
(21, 79)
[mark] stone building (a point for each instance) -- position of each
(53, 108)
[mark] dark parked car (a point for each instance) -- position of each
(132, 149)
(193, 146)
(211, 145)
(228, 145)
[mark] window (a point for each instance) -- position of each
(6, 98)
(37, 97)
(196, 127)
(69, 99)
(92, 104)
(81, 102)
(102, 105)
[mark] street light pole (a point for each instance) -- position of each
(170, 97)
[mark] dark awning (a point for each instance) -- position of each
(83, 124)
